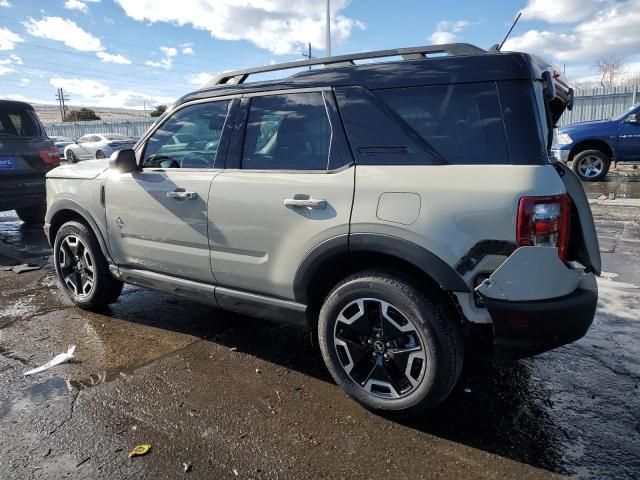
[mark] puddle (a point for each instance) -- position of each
(36, 396)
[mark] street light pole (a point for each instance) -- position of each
(328, 32)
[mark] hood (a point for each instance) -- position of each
(86, 170)
(584, 125)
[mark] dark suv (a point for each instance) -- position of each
(26, 155)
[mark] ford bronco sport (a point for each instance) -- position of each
(393, 207)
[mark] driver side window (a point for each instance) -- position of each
(189, 138)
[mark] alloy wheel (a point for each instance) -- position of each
(590, 166)
(76, 266)
(379, 348)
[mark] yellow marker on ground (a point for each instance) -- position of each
(140, 450)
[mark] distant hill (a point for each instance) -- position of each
(51, 113)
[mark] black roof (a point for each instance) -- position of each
(15, 103)
(472, 64)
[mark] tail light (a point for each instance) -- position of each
(544, 222)
(50, 156)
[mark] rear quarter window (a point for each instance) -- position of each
(462, 122)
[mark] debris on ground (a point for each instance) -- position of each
(140, 450)
(26, 267)
(467, 390)
(57, 360)
(83, 461)
(186, 467)
(258, 370)
(235, 472)
(234, 349)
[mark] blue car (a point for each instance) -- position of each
(592, 146)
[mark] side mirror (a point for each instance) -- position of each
(633, 118)
(124, 161)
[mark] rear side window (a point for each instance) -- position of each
(462, 122)
(17, 122)
(287, 132)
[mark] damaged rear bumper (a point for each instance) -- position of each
(527, 328)
(537, 302)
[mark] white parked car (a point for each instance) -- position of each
(97, 145)
(61, 142)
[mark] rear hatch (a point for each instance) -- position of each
(556, 97)
(25, 151)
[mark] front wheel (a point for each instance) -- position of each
(392, 347)
(99, 154)
(71, 157)
(591, 165)
(82, 269)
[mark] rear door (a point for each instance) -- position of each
(287, 188)
(157, 217)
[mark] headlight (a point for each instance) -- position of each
(563, 139)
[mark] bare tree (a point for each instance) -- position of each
(610, 68)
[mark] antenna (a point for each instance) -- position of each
(328, 30)
(509, 32)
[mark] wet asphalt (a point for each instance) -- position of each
(226, 396)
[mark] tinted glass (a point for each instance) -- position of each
(17, 122)
(462, 122)
(287, 132)
(189, 138)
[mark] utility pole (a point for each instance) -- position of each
(328, 32)
(61, 97)
(308, 55)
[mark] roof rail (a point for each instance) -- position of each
(452, 49)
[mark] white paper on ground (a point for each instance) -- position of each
(57, 360)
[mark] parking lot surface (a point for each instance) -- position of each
(218, 395)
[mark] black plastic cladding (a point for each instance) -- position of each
(404, 73)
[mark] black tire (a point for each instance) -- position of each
(591, 165)
(432, 322)
(32, 215)
(99, 154)
(71, 157)
(105, 289)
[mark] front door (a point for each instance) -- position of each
(629, 139)
(157, 217)
(287, 188)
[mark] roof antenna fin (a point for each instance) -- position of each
(499, 47)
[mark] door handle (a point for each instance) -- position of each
(180, 195)
(307, 202)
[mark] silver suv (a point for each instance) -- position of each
(397, 209)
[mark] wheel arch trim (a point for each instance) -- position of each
(71, 206)
(432, 265)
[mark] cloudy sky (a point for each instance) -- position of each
(123, 53)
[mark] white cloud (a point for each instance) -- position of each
(167, 61)
(562, 11)
(76, 5)
(113, 58)
(187, 50)
(25, 81)
(65, 31)
(73, 36)
(445, 31)
(8, 39)
(200, 79)
(5, 3)
(7, 64)
(280, 26)
(612, 30)
(99, 94)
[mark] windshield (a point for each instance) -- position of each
(624, 114)
(17, 122)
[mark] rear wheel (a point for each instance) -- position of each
(71, 157)
(591, 165)
(389, 345)
(82, 269)
(99, 154)
(32, 215)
